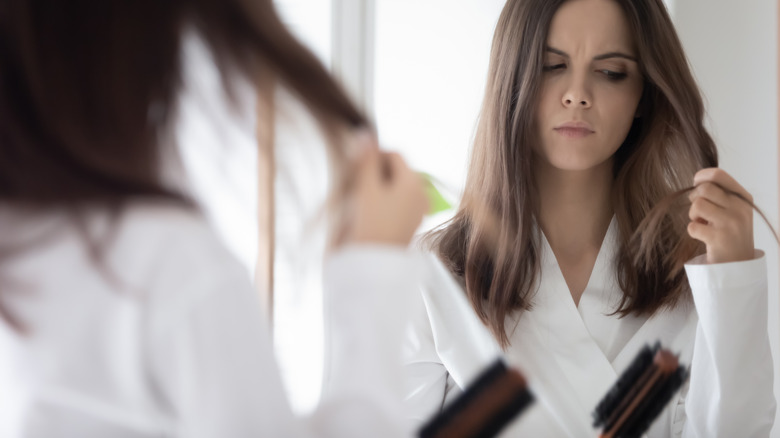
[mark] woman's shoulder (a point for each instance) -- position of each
(172, 259)
(144, 243)
(441, 290)
(437, 273)
(150, 256)
(144, 216)
(161, 218)
(156, 234)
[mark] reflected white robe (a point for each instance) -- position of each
(572, 354)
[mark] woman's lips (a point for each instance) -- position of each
(573, 132)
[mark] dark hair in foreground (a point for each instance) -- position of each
(88, 88)
(492, 242)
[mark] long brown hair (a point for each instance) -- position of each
(493, 244)
(87, 86)
(88, 89)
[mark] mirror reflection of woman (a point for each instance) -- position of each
(591, 117)
(121, 312)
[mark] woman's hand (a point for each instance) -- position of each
(388, 201)
(719, 218)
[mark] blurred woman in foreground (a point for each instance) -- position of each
(122, 313)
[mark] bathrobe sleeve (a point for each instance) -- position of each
(367, 295)
(213, 359)
(731, 384)
(425, 375)
(446, 345)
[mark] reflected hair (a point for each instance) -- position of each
(493, 243)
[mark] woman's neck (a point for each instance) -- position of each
(575, 207)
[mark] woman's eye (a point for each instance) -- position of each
(553, 67)
(613, 75)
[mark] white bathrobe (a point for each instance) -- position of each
(162, 335)
(572, 354)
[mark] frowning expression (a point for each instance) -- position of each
(591, 85)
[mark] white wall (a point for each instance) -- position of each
(732, 46)
(430, 74)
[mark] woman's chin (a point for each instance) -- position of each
(577, 164)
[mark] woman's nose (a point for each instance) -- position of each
(572, 101)
(577, 94)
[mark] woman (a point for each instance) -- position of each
(122, 313)
(591, 119)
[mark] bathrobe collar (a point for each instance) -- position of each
(577, 350)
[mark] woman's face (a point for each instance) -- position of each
(591, 85)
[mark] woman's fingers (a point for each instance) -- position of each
(705, 211)
(713, 193)
(719, 218)
(393, 166)
(701, 232)
(368, 168)
(388, 200)
(721, 178)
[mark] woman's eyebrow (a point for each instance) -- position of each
(595, 58)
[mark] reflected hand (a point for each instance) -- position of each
(719, 218)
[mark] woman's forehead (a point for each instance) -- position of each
(590, 27)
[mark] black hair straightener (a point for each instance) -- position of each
(640, 394)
